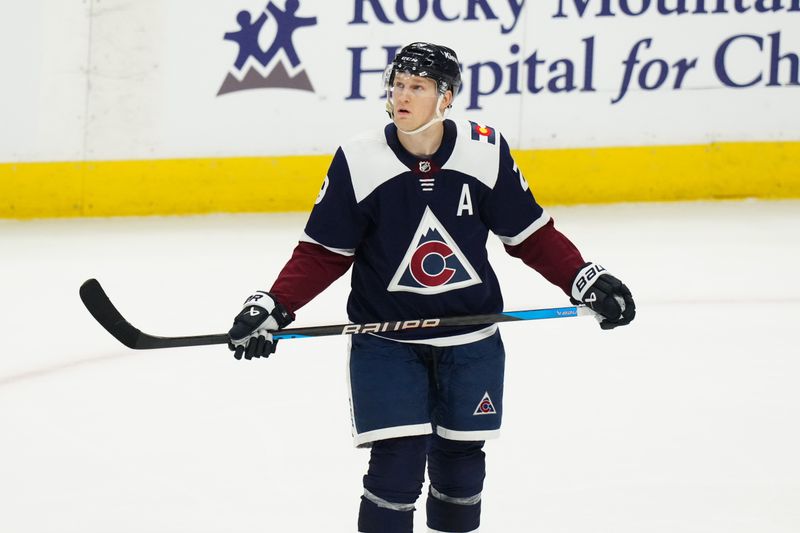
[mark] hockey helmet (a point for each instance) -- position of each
(427, 60)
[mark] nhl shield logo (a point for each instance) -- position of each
(433, 263)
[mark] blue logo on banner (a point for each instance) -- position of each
(278, 66)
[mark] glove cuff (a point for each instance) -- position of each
(282, 316)
(584, 279)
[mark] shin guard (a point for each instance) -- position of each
(456, 470)
(392, 485)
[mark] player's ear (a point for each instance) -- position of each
(447, 100)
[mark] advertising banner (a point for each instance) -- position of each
(154, 80)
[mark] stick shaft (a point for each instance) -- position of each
(101, 308)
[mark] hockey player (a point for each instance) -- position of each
(410, 208)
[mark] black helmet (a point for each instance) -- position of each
(429, 61)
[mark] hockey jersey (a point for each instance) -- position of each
(416, 229)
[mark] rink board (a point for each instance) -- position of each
(290, 183)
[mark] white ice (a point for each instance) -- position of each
(686, 421)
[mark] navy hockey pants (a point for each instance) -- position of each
(393, 483)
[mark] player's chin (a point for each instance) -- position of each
(405, 122)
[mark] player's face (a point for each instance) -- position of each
(414, 99)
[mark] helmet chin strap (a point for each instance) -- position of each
(439, 117)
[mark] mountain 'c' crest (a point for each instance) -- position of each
(433, 263)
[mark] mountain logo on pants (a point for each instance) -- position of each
(485, 407)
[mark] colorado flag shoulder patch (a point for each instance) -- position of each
(482, 133)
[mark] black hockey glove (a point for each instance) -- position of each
(605, 295)
(250, 335)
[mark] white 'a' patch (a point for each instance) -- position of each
(465, 202)
(433, 263)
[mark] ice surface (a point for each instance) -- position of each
(687, 421)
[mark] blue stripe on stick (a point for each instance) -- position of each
(289, 336)
(539, 314)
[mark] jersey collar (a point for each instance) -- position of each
(438, 159)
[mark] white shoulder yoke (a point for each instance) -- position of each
(371, 162)
(477, 158)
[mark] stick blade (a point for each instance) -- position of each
(101, 308)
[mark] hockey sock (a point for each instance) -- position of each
(392, 485)
(455, 515)
(456, 470)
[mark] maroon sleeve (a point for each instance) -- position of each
(551, 254)
(311, 269)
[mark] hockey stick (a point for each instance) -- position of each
(101, 308)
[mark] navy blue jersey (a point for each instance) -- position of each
(417, 228)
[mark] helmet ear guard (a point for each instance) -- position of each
(388, 80)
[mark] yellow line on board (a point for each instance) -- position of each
(663, 173)
(160, 187)
(290, 183)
